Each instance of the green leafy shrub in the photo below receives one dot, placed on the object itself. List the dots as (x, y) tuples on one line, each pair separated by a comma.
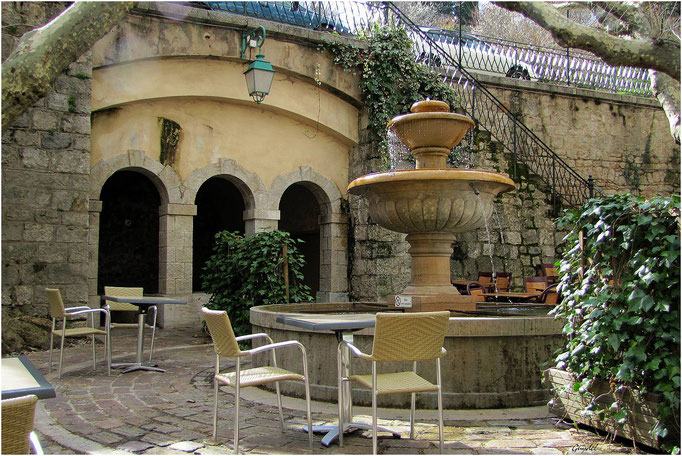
[(390, 78), (249, 271), (620, 282)]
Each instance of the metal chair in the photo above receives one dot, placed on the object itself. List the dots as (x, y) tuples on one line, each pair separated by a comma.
[(498, 281), (549, 271), (549, 295), (535, 284), (17, 426), (129, 292), (226, 344), (57, 311), (400, 337), (476, 289)]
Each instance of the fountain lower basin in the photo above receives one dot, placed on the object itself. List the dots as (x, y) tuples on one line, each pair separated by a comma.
[(492, 361)]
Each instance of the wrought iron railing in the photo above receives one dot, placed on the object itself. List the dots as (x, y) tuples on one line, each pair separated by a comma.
[(559, 66), (566, 184)]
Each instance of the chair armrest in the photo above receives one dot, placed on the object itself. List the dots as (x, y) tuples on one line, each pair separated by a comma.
[(286, 343), (89, 311), (73, 309), (356, 351), (253, 336)]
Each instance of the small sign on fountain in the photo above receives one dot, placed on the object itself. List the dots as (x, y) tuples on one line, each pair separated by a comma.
[(403, 301)]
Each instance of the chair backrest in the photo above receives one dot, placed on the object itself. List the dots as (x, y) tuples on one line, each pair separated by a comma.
[(54, 299), (502, 281), (476, 290), (219, 326), (410, 336), (548, 270), (534, 284), (123, 292), (485, 278), (17, 423)]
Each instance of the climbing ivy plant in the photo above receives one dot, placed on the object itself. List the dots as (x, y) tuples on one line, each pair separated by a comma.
[(249, 271), (390, 78), (620, 282)]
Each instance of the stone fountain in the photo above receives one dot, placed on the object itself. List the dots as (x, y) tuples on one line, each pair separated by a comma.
[(431, 203)]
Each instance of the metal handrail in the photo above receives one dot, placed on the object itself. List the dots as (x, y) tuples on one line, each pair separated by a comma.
[(480, 104)]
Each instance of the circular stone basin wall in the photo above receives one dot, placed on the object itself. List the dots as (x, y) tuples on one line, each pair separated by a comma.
[(492, 362)]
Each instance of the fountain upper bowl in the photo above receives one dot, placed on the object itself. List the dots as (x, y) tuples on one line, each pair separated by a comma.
[(430, 129), (431, 200)]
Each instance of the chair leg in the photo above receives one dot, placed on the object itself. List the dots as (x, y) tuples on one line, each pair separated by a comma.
[(61, 349), (440, 406), (307, 401), (49, 367), (413, 402), (94, 354), (236, 408), (339, 367), (151, 346), (374, 407), (215, 398), (279, 406)]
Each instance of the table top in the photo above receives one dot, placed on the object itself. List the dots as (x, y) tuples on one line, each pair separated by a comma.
[(20, 378), (145, 300), (330, 322), (513, 294)]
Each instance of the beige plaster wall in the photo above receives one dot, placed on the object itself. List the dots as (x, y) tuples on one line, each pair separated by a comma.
[(264, 142)]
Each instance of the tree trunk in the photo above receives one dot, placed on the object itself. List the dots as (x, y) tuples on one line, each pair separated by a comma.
[(44, 53)]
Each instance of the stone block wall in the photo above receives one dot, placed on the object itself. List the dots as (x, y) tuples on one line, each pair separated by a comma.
[(45, 176), (623, 141)]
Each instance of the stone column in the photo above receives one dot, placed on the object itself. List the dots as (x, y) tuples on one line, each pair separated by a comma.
[(94, 209), (256, 220), (333, 258), (175, 248)]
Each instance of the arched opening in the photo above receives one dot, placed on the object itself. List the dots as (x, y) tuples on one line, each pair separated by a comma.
[(300, 217), (220, 207), (129, 233)]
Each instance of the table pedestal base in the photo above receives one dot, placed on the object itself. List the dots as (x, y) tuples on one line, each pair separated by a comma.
[(333, 431), (131, 367)]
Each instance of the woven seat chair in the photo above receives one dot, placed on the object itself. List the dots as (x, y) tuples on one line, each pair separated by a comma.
[(226, 344), (129, 292), (57, 311), (400, 337), (17, 426)]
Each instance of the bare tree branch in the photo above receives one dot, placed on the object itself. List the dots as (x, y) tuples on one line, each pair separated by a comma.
[(661, 55), (44, 53), (667, 91), (628, 15)]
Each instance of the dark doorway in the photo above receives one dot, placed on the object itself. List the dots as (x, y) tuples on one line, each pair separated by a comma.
[(220, 207), (300, 217), (129, 233)]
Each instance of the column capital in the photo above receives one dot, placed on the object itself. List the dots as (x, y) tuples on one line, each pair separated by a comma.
[(178, 209)]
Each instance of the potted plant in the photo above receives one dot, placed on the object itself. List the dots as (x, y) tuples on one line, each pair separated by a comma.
[(620, 282)]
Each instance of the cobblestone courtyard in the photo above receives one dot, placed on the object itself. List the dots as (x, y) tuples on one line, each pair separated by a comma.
[(171, 412)]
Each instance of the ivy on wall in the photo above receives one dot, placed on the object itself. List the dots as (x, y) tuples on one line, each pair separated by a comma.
[(390, 78), (620, 282)]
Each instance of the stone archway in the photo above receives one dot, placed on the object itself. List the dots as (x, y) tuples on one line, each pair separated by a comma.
[(333, 227)]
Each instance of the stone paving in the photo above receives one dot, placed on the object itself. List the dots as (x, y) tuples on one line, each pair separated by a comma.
[(171, 413)]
